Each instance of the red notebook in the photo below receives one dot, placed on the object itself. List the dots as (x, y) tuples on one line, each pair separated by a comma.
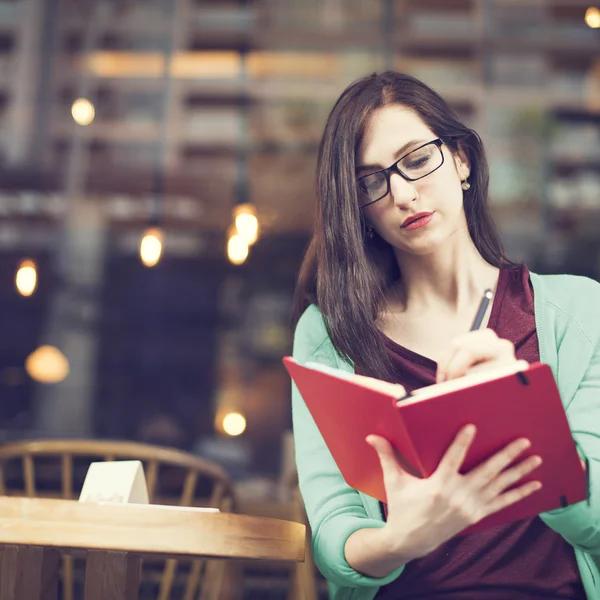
[(507, 403)]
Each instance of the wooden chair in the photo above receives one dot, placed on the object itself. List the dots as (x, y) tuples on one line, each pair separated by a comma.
[(57, 469), (305, 577), (307, 582)]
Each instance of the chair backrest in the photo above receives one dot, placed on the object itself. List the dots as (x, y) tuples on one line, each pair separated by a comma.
[(57, 468), (306, 579)]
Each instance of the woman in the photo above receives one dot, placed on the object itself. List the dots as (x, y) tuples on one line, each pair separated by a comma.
[(403, 248)]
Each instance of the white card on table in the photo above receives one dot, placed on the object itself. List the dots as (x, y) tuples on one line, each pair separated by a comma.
[(120, 481)]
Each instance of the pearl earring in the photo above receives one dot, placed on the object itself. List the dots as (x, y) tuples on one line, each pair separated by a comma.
[(465, 185)]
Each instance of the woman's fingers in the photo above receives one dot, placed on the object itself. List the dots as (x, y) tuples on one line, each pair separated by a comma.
[(442, 363), (472, 349), (512, 497), (392, 472), (509, 477), (455, 455), (493, 466), (460, 362)]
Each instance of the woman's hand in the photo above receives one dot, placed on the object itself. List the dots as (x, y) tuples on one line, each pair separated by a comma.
[(424, 513), (475, 350)]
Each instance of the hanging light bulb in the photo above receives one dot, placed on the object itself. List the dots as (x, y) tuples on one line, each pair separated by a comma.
[(83, 111), (592, 17), (47, 364), (26, 277), (234, 423), (246, 222), (237, 249), (151, 247)]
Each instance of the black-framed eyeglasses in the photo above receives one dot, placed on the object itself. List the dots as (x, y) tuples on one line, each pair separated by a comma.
[(415, 165)]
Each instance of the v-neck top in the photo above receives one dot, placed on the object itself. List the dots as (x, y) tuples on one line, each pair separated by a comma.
[(511, 316)]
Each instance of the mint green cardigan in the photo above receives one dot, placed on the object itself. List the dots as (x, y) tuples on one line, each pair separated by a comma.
[(567, 313)]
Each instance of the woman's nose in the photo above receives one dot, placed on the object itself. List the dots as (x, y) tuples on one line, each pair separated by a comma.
[(403, 192)]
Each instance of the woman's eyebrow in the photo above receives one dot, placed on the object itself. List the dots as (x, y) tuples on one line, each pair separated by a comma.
[(397, 155)]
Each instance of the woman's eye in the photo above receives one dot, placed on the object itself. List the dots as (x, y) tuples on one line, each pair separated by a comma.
[(373, 184), (415, 163)]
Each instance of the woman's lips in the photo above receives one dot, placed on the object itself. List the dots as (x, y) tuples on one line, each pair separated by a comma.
[(418, 221)]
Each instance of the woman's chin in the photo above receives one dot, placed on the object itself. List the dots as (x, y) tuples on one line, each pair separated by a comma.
[(427, 241), (418, 247)]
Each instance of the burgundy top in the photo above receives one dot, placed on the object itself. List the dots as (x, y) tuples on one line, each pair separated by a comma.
[(520, 561)]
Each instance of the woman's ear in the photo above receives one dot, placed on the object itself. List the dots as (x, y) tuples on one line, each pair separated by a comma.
[(463, 166)]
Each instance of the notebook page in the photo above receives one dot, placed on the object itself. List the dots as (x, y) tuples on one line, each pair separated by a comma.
[(395, 390), (466, 381)]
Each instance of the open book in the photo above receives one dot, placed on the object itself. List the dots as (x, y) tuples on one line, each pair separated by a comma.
[(505, 403)]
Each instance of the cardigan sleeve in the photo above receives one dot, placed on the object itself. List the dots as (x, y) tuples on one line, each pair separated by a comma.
[(579, 523), (334, 509)]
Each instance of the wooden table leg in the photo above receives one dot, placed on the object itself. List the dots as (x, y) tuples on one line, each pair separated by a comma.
[(28, 573), (111, 576)]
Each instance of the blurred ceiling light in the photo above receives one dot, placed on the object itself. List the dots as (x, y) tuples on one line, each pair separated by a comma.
[(214, 64), (125, 64), (246, 222), (47, 364), (237, 249), (151, 247), (83, 111), (234, 423), (592, 17), (296, 64), (185, 65), (26, 277)]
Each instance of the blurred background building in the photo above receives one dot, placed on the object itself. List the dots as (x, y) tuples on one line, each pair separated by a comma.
[(135, 134)]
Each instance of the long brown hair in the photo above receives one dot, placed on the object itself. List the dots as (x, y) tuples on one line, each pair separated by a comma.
[(345, 273)]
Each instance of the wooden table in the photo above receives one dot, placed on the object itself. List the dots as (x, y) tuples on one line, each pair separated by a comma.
[(116, 537)]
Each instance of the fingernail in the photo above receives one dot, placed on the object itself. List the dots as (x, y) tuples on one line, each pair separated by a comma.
[(537, 460), (525, 444), (470, 429)]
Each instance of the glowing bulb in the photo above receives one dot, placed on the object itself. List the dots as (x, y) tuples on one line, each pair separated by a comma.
[(246, 222), (237, 249), (47, 364), (26, 278), (151, 247), (592, 17), (234, 424), (83, 111)]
